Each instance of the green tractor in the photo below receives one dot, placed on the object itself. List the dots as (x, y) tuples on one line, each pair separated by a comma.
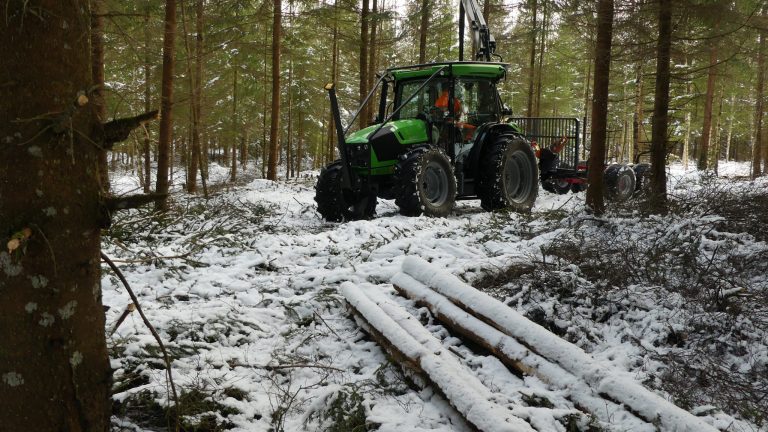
[(442, 137)]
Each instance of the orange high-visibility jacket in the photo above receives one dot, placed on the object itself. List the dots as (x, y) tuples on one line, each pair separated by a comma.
[(442, 102)]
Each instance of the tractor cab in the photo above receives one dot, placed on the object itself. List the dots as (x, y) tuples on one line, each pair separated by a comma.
[(455, 102)]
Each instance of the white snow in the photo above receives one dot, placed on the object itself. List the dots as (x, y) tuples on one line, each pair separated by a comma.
[(244, 290)]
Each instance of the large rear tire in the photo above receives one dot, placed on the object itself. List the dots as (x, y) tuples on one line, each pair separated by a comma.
[(425, 183), (509, 175), (332, 204), (619, 182)]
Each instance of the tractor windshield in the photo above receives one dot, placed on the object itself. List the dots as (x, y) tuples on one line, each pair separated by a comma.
[(424, 101)]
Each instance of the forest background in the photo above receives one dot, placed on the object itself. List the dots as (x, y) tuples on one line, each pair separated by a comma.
[(225, 52)]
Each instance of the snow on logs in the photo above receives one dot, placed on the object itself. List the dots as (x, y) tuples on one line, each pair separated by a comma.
[(532, 349), (425, 354)]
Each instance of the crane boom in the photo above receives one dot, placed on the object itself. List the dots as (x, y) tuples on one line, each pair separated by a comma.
[(483, 43)]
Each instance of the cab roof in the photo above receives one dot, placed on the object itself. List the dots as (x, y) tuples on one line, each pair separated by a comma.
[(455, 69)]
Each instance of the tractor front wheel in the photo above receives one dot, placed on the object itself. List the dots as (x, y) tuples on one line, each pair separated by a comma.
[(509, 175), (426, 183), (333, 205)]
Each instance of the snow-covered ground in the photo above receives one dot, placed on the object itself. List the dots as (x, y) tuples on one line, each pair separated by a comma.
[(244, 290)]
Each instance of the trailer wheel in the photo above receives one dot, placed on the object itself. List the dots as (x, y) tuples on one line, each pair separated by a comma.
[(425, 183), (508, 176), (619, 182), (332, 204), (642, 178), (557, 186)]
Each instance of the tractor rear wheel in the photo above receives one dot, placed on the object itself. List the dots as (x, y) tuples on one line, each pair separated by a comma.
[(619, 182), (509, 175), (333, 205), (425, 182)]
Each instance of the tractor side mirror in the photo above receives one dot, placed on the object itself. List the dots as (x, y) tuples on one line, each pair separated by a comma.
[(506, 111)]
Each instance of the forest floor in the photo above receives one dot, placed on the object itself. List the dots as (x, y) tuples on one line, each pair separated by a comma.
[(243, 288)]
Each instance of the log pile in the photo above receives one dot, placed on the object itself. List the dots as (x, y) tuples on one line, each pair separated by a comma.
[(523, 346)]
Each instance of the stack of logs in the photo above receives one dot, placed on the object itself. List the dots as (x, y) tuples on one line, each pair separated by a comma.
[(524, 347)]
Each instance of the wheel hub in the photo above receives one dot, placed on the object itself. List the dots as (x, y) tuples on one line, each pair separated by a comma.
[(435, 184)]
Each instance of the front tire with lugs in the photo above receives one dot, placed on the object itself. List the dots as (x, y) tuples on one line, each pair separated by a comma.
[(426, 183), (332, 204)]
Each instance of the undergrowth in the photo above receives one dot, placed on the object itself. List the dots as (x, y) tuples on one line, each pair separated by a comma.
[(691, 285)]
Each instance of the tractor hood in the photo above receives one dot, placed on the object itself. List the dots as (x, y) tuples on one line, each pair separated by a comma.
[(403, 132)]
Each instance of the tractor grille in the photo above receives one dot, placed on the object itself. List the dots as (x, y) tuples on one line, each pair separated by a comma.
[(548, 130)]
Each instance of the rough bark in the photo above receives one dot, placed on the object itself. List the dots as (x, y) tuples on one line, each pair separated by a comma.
[(54, 368), (661, 110), (274, 129), (166, 104), (708, 100), (602, 68), (423, 29)]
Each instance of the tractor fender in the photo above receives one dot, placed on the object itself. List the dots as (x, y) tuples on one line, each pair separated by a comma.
[(486, 133)]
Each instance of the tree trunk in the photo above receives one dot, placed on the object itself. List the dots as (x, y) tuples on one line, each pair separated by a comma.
[(637, 118), (759, 98), (235, 126), (709, 98), (194, 93), (545, 18), (730, 132), (532, 61), (147, 103), (264, 111), (274, 130), (715, 153), (363, 57), (600, 106), (423, 29), (300, 142), (289, 141), (97, 74), (587, 95), (166, 104), (372, 52), (661, 110), (334, 78), (54, 368)]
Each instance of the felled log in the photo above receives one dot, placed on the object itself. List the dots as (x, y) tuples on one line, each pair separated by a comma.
[(462, 389), (516, 356), (641, 401)]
